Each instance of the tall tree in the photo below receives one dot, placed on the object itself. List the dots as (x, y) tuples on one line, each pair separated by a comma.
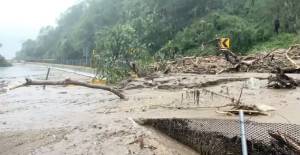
[(162, 28)]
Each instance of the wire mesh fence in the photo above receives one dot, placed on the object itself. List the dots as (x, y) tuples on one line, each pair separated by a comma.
[(87, 62), (215, 136), (75, 62)]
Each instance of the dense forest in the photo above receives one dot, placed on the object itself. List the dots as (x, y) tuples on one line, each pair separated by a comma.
[(118, 32)]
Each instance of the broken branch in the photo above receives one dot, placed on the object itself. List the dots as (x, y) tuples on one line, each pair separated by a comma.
[(290, 59), (30, 82)]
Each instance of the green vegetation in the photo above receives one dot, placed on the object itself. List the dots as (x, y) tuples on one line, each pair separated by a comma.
[(3, 62), (124, 31), (283, 40)]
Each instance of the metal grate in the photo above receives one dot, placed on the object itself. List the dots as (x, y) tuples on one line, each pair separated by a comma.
[(214, 136)]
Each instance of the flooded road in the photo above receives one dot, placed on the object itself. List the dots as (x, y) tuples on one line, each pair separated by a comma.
[(33, 107), (74, 120), (17, 73), (21, 71), (79, 120)]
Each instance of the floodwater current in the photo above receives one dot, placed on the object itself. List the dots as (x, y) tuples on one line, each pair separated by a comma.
[(17, 74), (21, 71)]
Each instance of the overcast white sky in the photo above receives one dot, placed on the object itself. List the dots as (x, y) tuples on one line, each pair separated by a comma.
[(22, 19)]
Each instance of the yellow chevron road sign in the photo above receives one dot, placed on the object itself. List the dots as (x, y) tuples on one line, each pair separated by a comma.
[(224, 43)]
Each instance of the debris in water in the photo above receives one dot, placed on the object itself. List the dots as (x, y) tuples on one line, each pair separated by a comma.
[(282, 81)]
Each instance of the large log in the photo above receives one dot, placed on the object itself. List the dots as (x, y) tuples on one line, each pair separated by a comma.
[(30, 82)]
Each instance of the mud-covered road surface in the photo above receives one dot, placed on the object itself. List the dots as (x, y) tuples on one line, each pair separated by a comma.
[(77, 120)]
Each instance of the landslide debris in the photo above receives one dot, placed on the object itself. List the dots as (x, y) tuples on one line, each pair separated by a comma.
[(261, 63)]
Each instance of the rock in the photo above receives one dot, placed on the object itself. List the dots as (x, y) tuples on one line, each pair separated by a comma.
[(140, 121), (64, 92), (143, 109), (264, 108), (96, 127), (253, 83)]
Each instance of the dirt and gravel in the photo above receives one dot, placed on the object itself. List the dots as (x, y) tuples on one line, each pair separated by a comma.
[(77, 120)]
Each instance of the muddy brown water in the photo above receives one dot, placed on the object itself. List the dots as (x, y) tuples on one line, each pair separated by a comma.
[(74, 120), (77, 120)]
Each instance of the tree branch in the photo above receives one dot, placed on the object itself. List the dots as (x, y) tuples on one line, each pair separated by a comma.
[(30, 82)]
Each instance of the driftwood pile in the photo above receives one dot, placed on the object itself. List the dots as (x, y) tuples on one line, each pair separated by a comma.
[(196, 65), (261, 63)]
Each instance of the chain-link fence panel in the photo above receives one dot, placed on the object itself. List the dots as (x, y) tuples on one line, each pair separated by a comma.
[(222, 137)]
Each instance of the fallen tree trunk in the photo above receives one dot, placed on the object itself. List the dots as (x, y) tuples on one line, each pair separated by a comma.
[(289, 71), (30, 82)]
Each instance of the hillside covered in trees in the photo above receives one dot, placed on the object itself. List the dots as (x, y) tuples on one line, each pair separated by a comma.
[(117, 32)]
